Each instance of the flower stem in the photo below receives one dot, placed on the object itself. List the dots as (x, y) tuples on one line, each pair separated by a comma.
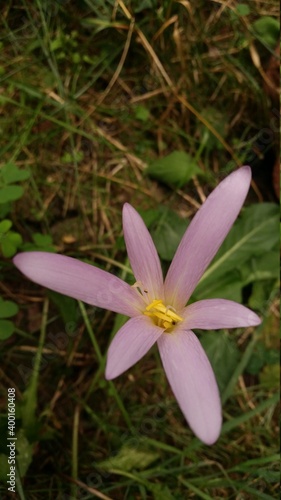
[(101, 361), (30, 395)]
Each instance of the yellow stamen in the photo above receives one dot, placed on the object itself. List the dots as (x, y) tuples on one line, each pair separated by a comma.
[(162, 315), (155, 304)]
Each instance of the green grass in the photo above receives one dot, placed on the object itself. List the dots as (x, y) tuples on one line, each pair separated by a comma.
[(91, 93)]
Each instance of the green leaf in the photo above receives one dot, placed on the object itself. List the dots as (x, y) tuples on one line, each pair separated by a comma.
[(42, 240), (260, 357), (267, 29), (270, 376), (75, 156), (254, 233), (11, 173), (176, 169), (260, 293), (55, 44), (8, 308), (5, 209), (243, 9), (24, 452), (167, 232), (142, 113), (67, 306), (228, 286), (8, 248), (10, 243), (150, 216), (129, 458), (10, 193), (223, 355), (14, 238), (5, 225), (6, 329), (263, 267)]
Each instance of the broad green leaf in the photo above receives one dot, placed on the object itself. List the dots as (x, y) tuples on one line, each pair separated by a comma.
[(263, 267), (14, 238), (223, 355), (8, 249), (261, 356), (167, 232), (176, 169), (253, 234), (228, 286), (42, 240), (5, 225), (5, 209), (256, 361), (129, 458), (260, 293), (67, 306), (6, 329), (11, 173), (10, 193), (10, 243), (150, 216), (268, 30), (7, 308)]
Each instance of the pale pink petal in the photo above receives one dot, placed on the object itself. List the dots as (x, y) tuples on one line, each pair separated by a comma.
[(79, 280), (130, 344), (218, 313), (142, 253), (193, 383), (204, 236)]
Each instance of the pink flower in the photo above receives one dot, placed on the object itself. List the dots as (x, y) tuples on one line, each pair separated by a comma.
[(157, 308)]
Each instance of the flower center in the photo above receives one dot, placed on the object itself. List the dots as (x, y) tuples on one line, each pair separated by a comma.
[(163, 316)]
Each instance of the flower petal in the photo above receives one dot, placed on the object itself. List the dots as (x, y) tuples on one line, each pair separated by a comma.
[(218, 313), (204, 236), (193, 382), (79, 280), (130, 344), (142, 253)]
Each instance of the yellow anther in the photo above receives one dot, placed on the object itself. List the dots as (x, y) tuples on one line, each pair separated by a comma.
[(173, 315), (154, 304), (163, 316), (166, 324)]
